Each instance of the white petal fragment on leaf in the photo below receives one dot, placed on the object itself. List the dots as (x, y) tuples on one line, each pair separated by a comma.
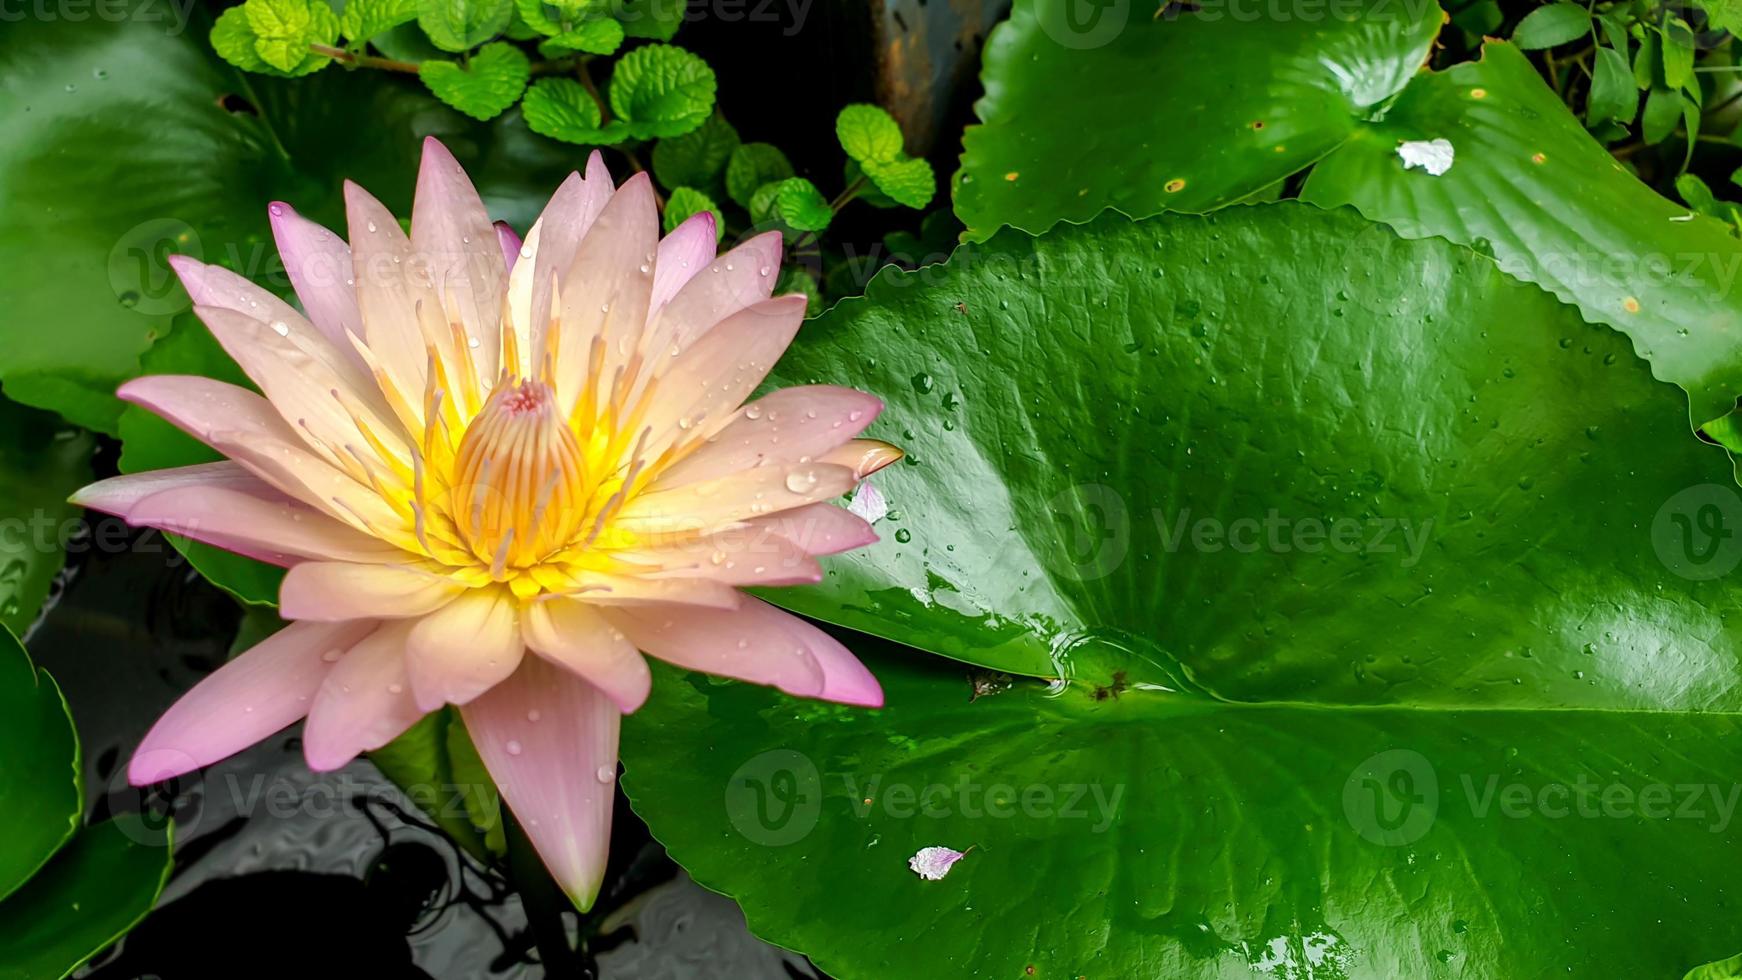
[(1433, 156), (932, 863), (868, 503)]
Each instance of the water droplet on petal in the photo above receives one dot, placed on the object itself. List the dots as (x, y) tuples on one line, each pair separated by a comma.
[(606, 773), (513, 747)]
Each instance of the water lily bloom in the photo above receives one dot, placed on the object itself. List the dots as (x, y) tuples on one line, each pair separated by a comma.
[(498, 474)]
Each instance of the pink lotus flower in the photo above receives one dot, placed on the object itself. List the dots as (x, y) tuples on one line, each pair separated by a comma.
[(497, 475)]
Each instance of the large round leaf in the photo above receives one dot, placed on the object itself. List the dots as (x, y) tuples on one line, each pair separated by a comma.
[(1531, 187), (41, 791), (1325, 530), (1186, 110), (42, 461), (92, 893), (128, 141)]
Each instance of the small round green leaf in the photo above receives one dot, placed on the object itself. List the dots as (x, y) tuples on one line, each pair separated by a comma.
[(485, 86), (753, 166), (794, 203), (460, 25), (661, 90), (686, 202), (868, 133), (563, 109), (364, 19), (908, 182), (695, 159), (284, 29)]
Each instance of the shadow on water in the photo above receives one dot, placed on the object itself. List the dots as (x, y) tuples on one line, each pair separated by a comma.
[(280, 871)]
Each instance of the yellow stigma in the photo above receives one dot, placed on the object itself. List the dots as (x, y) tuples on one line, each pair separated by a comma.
[(519, 489)]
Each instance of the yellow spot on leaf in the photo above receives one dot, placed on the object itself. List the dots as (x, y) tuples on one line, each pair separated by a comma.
[(1478, 93), (1012, 175), (1630, 304), (1537, 158), (1175, 185)]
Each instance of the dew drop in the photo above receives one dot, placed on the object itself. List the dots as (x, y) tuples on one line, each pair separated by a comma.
[(513, 747), (801, 481), (606, 773), (281, 328), (753, 412)]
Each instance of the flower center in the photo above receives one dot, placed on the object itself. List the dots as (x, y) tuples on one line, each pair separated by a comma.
[(519, 478)]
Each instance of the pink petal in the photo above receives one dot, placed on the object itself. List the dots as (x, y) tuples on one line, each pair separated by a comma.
[(604, 588), (863, 456), (570, 634), (244, 701), (756, 643), (549, 740), (242, 425), (363, 703), (214, 287), (334, 591), (264, 524), (551, 243), (605, 291), (683, 253), (845, 679), (464, 648), (752, 643), (301, 387), (736, 556), (820, 528), (319, 265), (510, 243), (451, 232), (118, 494), (713, 505), (742, 277), (392, 283), (787, 426), (705, 384)]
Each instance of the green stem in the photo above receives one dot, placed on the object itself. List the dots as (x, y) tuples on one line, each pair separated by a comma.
[(363, 60), (543, 901)]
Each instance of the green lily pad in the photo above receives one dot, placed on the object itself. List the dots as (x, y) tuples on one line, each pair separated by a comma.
[(1623, 255), (1185, 111), (42, 461), (94, 891), (41, 790), (1349, 555)]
